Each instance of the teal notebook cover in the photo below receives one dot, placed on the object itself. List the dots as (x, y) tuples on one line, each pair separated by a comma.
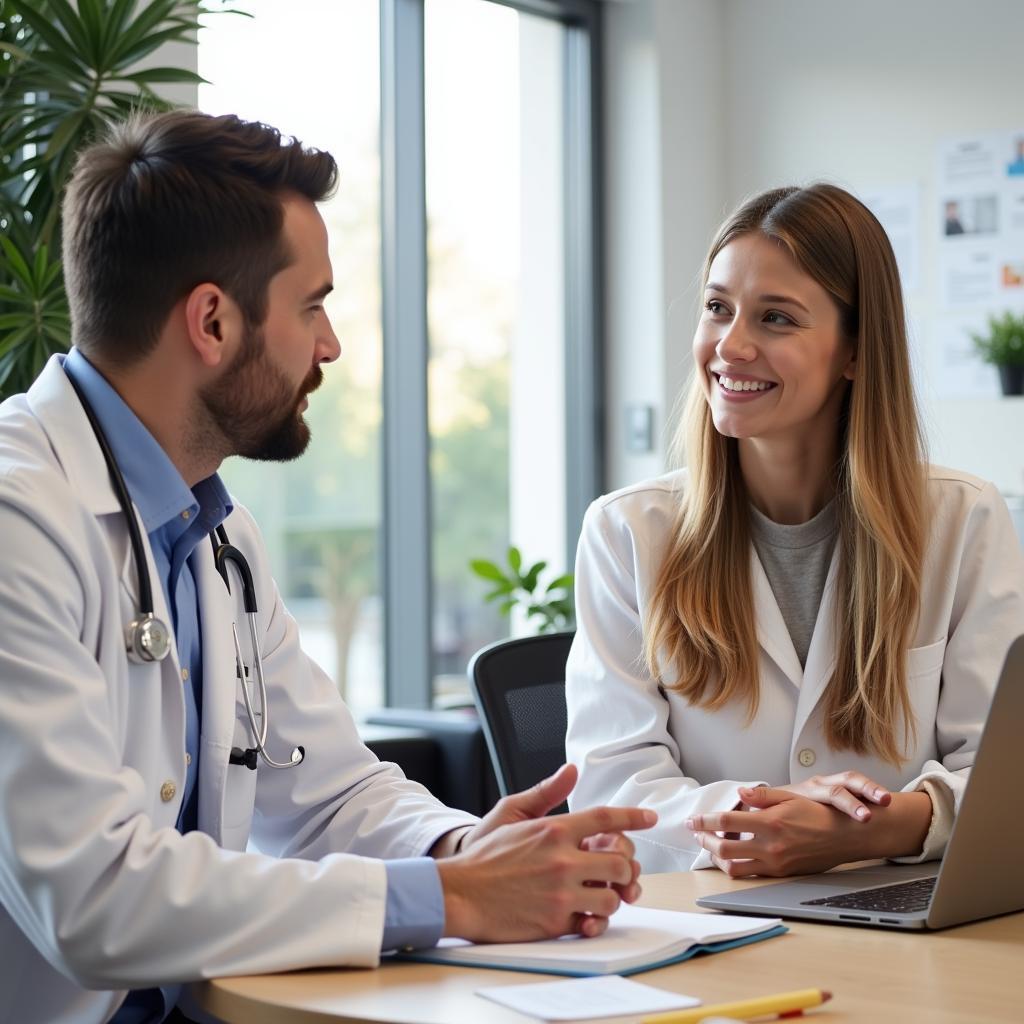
[(430, 956)]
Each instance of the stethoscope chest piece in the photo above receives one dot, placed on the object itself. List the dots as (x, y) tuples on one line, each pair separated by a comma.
[(147, 639)]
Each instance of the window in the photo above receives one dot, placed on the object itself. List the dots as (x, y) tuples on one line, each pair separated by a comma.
[(464, 245), (495, 286)]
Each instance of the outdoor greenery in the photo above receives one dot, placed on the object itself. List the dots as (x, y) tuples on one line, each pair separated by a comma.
[(1003, 343), (66, 69), (551, 605)]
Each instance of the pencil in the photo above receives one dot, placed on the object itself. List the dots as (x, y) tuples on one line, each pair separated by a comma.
[(784, 1004)]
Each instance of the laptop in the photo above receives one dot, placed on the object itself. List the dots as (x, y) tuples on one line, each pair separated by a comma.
[(981, 874)]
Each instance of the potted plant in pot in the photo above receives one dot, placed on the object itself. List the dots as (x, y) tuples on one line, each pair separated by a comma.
[(1002, 345)]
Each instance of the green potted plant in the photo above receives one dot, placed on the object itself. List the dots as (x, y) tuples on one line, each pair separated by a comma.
[(1002, 345), (549, 606), (66, 68)]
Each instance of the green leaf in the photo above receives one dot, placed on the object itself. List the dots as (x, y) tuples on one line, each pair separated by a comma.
[(16, 261), (506, 606), (58, 43), (561, 583), (487, 570), (76, 24), (503, 588), (65, 132), (160, 75), (114, 21), (529, 581), (8, 321), (139, 33), (515, 559)]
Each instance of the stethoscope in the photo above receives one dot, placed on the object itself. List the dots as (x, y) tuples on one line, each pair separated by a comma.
[(148, 639)]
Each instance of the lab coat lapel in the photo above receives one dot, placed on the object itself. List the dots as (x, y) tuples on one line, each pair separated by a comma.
[(55, 405), (821, 655), (216, 610), (772, 632)]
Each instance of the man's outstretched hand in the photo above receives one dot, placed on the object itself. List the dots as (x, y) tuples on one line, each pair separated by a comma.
[(521, 875)]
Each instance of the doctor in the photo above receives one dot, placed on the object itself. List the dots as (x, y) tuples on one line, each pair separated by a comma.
[(788, 649), (146, 839)]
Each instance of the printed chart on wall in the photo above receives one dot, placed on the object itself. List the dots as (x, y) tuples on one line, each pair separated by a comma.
[(980, 221)]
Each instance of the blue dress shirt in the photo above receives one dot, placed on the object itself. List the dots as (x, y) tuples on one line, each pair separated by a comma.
[(177, 519)]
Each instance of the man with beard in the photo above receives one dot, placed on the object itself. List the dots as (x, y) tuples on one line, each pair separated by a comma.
[(147, 841)]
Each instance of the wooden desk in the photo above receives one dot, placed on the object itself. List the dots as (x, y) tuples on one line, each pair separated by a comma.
[(966, 975)]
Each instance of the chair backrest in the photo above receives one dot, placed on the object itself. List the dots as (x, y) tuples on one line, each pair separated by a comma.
[(519, 689)]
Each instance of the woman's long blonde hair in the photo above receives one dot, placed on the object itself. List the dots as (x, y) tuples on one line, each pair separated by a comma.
[(701, 622)]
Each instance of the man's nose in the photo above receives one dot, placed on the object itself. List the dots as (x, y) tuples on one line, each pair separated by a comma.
[(328, 347)]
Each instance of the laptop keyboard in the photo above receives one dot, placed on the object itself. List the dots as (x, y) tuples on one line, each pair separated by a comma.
[(902, 898)]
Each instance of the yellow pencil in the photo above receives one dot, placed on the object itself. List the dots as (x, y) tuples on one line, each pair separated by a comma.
[(785, 1004)]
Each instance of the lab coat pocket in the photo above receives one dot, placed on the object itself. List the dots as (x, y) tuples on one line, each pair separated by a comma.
[(240, 786), (927, 660), (924, 684)]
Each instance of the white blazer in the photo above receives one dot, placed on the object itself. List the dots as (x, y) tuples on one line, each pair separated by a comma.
[(98, 892), (637, 743)]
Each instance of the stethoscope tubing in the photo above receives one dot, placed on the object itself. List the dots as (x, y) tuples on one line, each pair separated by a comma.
[(147, 639)]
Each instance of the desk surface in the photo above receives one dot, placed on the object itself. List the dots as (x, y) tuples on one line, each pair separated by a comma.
[(968, 974)]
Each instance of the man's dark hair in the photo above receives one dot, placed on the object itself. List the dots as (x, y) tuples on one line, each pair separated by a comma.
[(164, 202)]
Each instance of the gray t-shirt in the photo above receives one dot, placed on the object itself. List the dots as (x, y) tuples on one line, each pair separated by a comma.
[(796, 561)]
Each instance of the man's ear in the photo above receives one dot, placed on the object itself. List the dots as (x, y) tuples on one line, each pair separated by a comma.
[(213, 322)]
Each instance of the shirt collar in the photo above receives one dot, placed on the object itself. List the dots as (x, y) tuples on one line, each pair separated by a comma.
[(154, 483)]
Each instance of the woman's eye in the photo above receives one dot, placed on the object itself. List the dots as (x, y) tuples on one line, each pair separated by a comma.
[(775, 317), (714, 306)]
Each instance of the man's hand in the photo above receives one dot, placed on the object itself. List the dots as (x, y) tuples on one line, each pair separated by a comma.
[(523, 876), (795, 835)]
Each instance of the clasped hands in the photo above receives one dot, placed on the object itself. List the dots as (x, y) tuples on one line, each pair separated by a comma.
[(520, 875), (811, 826)]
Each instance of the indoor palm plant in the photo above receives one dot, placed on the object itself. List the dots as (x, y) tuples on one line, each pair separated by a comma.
[(1002, 344), (66, 68)]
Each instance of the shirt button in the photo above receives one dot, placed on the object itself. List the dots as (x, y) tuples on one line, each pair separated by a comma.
[(807, 757), (167, 791), (184, 674), (186, 514), (188, 758)]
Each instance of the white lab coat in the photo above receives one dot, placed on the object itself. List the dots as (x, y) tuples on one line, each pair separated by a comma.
[(636, 743), (98, 892)]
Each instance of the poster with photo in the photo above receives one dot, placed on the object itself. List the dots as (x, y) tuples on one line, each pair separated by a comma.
[(979, 220)]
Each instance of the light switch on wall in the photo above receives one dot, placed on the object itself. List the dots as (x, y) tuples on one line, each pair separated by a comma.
[(639, 428)]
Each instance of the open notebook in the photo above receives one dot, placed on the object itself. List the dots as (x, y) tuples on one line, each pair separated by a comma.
[(637, 939)]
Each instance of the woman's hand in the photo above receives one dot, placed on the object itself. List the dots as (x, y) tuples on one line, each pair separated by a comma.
[(795, 835), (790, 835), (840, 791)]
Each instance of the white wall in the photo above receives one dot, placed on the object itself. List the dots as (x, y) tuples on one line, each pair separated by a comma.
[(751, 94)]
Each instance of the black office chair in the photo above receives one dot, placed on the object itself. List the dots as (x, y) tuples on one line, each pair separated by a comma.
[(519, 689)]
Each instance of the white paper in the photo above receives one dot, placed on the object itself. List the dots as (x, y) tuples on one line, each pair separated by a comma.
[(610, 996), (898, 209)]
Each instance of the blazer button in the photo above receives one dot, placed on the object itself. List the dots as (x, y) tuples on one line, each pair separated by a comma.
[(167, 791), (807, 757)]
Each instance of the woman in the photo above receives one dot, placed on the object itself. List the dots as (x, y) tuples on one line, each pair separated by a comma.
[(788, 649)]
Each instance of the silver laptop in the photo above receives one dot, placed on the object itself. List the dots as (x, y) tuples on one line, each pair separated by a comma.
[(980, 874)]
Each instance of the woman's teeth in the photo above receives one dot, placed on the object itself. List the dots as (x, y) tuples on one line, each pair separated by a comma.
[(744, 385)]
